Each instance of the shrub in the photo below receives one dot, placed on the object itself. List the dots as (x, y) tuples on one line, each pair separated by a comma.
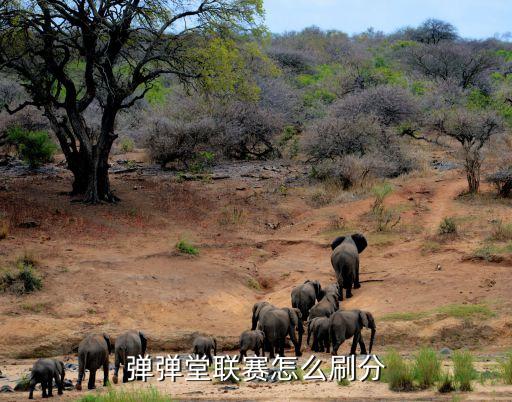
[(127, 144), (502, 181), (506, 369), (427, 367), (501, 231), (34, 147), (445, 384), (22, 279), (186, 248), (385, 217), (447, 226), (135, 395), (463, 370), (397, 373)]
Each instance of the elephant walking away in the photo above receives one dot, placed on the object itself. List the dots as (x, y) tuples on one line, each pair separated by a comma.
[(329, 303), (93, 353), (44, 372), (349, 323), (319, 328), (277, 323), (251, 340), (345, 261), (305, 296), (129, 344), (203, 346), (258, 310)]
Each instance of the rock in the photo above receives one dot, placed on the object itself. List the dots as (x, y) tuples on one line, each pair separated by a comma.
[(28, 224), (6, 389), (445, 351), (439, 267), (229, 388)]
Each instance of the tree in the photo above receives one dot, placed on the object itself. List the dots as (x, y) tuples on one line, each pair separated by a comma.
[(472, 129), (433, 31), (74, 56)]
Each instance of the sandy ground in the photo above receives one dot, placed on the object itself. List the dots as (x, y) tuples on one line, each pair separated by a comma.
[(114, 267)]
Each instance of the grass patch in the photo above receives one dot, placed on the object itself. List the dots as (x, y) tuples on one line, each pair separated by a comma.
[(427, 368), (112, 395), (34, 308), (232, 216), (185, 247), (445, 383), (126, 144), (343, 383), (506, 369), (253, 284), (397, 373), (501, 231), (467, 310), (490, 251), (21, 279), (463, 370), (406, 316), (447, 226), (430, 246)]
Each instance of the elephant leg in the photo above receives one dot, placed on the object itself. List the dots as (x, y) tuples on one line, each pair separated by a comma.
[(105, 373), (357, 284), (281, 347), (362, 346), (355, 341), (348, 289), (58, 381), (31, 388), (92, 379), (266, 346), (117, 364), (50, 387), (326, 344), (44, 386), (126, 374), (81, 372)]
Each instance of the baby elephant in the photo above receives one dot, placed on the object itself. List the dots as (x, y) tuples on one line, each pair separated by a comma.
[(319, 328), (128, 344), (251, 340), (45, 371), (203, 346)]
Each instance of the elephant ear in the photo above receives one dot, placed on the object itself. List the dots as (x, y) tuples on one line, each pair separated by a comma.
[(337, 241), (360, 242), (143, 342), (109, 345), (364, 319)]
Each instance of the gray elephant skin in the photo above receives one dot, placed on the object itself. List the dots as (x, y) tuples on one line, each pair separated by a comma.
[(318, 328), (93, 354), (349, 323), (345, 260), (44, 372), (251, 340), (203, 346), (128, 344), (258, 310), (277, 323), (329, 303), (305, 296)]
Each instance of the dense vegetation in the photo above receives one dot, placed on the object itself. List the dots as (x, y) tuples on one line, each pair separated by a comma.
[(355, 106)]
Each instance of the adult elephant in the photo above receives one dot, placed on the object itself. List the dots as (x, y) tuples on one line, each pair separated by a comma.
[(345, 261), (277, 323), (345, 324), (93, 353), (304, 296), (204, 346), (129, 344), (318, 328), (258, 310), (329, 303)]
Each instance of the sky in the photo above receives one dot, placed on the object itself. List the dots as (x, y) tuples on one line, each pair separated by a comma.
[(474, 19)]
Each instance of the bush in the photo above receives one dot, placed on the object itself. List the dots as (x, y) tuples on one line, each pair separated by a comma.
[(34, 147), (502, 231), (447, 226), (147, 395), (502, 181), (427, 368), (445, 384), (186, 248), (127, 144), (463, 370), (22, 279), (383, 215), (397, 373), (506, 369)]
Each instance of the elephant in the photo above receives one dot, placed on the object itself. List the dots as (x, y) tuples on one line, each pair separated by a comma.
[(258, 310), (45, 371), (305, 296), (276, 323), (128, 344), (329, 303), (319, 328), (345, 261), (203, 346), (251, 340), (349, 323), (93, 353)]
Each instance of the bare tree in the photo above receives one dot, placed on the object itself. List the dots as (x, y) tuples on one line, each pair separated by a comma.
[(73, 54), (472, 130), (433, 31)]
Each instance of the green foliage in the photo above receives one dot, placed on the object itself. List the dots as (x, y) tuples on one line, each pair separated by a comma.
[(447, 226), (157, 95), (202, 162), (253, 284), (21, 279), (397, 373), (463, 370), (506, 369), (319, 95), (127, 144), (385, 217), (501, 231), (34, 147), (466, 310), (427, 367), (185, 247), (134, 395), (445, 384)]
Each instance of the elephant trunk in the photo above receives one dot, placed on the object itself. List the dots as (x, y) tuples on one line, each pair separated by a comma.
[(371, 340)]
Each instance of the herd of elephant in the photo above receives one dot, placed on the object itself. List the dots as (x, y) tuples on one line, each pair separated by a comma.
[(318, 307)]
